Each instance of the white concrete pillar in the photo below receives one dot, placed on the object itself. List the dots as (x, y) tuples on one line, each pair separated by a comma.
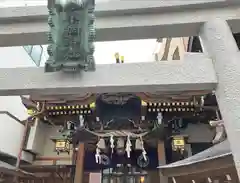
[(219, 43)]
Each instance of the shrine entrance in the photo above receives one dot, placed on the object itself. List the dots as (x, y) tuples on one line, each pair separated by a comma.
[(124, 174)]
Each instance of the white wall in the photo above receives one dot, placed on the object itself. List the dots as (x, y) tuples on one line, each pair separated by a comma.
[(37, 137), (11, 132)]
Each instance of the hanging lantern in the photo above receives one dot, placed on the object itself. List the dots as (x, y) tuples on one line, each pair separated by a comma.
[(178, 143), (120, 146), (142, 179), (62, 145)]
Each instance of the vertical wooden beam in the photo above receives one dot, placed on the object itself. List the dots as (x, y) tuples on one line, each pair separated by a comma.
[(79, 170), (188, 149), (161, 160), (161, 153), (65, 177)]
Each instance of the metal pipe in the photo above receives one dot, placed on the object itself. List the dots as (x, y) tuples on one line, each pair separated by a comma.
[(22, 144), (11, 116), (15, 178)]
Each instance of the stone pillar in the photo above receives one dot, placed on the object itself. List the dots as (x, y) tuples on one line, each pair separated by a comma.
[(220, 45)]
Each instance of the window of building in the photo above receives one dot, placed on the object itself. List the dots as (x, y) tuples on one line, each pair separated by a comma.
[(28, 49), (35, 52), (176, 54)]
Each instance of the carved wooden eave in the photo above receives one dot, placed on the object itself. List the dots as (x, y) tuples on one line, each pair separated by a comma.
[(216, 159), (30, 102)]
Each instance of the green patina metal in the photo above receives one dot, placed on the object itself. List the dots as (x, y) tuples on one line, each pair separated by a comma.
[(72, 35)]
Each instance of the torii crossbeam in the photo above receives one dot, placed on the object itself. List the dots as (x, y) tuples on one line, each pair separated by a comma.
[(123, 20), (195, 72)]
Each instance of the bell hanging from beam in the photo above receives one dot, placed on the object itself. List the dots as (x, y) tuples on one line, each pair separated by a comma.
[(139, 144), (120, 146), (101, 144)]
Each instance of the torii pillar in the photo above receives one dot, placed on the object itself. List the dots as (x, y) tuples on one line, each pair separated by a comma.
[(220, 45)]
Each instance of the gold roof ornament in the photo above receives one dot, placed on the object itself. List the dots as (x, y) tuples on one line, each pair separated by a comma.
[(119, 58)]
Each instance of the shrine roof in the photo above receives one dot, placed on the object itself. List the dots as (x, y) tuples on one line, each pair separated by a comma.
[(12, 170), (217, 151)]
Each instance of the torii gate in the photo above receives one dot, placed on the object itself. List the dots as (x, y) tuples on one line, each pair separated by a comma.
[(218, 68)]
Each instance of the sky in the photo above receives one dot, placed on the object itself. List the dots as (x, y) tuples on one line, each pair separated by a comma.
[(133, 51)]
